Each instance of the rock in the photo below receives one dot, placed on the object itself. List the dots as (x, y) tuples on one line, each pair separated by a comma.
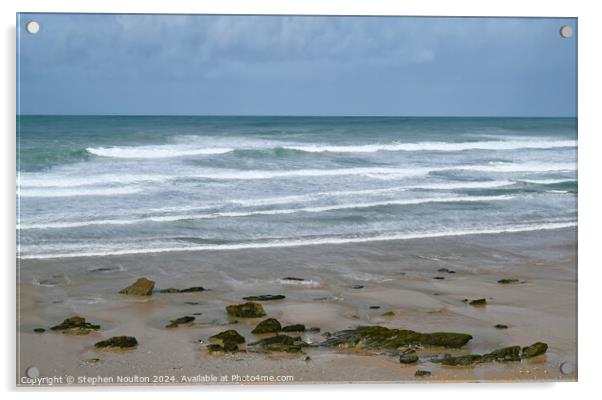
[(511, 353), (388, 314), (122, 342), (246, 310), (314, 329), (192, 303), (379, 337), (39, 330), (283, 343), (179, 321), (193, 289), (292, 278), (142, 287), (508, 281), (501, 326), (228, 341), (197, 313), (92, 360), (408, 358), (76, 326), (357, 286), (478, 302), (187, 290), (449, 271), (307, 359), (265, 297), (466, 360), (294, 328), (422, 372), (270, 325), (374, 307), (439, 277), (534, 350)]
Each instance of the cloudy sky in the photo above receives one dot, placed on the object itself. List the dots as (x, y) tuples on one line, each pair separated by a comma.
[(280, 65)]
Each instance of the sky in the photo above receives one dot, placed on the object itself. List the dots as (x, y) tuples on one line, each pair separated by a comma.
[(295, 65)]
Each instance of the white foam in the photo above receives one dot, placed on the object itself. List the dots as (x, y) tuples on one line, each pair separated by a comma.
[(311, 242), (545, 181), (161, 151), (183, 217), (438, 146)]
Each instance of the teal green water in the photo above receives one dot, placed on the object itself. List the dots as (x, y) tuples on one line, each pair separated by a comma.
[(114, 185)]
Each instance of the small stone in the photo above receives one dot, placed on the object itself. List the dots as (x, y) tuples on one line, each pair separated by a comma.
[(265, 297), (448, 271), (374, 307), (179, 321), (307, 359), (357, 286), (75, 326), (314, 329), (508, 281), (501, 326), (193, 289), (92, 360), (122, 342), (169, 290), (39, 330), (408, 358), (388, 314), (270, 325), (192, 303), (294, 328), (246, 310), (422, 372), (292, 278), (142, 287), (478, 302), (439, 277)]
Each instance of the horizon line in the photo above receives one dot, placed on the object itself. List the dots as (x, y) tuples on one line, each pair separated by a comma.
[(294, 115)]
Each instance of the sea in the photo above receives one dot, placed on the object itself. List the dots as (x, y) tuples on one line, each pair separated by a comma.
[(110, 185)]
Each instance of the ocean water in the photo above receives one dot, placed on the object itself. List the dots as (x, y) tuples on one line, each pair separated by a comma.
[(117, 185)]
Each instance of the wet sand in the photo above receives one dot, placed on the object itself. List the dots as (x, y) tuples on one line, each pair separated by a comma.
[(396, 276)]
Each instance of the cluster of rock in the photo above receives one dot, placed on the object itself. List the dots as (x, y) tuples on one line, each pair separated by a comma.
[(75, 326), (511, 353)]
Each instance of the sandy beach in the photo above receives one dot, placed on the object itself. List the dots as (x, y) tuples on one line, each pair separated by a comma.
[(397, 275)]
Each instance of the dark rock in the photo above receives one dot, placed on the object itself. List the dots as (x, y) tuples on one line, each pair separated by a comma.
[(307, 359), (439, 277), (314, 329), (478, 302), (265, 297), (294, 328), (39, 330), (292, 278), (179, 321), (501, 326), (142, 287), (197, 313), (193, 289), (408, 358), (388, 314), (283, 343), (246, 310), (76, 326), (534, 350), (508, 281), (228, 341), (379, 337), (469, 359), (270, 325), (122, 342), (357, 286), (169, 290), (449, 271), (192, 303), (422, 372), (374, 307)]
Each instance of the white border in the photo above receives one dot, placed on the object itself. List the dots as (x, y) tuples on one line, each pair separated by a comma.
[(590, 33)]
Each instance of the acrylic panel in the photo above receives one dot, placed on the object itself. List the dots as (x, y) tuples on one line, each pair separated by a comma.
[(224, 199)]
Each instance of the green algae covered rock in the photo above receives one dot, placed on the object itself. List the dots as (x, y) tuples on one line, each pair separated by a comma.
[(270, 325), (179, 321), (142, 287), (227, 341), (478, 302), (121, 342), (408, 358), (500, 326), (388, 314), (421, 373), (75, 326), (246, 310), (39, 330), (534, 350), (511, 353), (380, 337), (281, 343)]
